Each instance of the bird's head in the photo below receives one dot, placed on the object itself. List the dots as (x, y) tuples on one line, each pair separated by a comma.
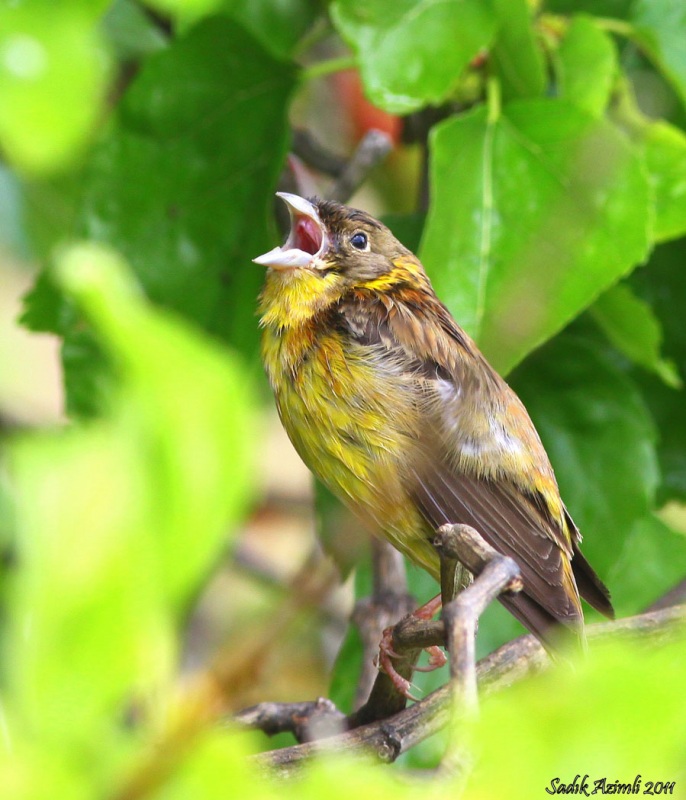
[(331, 249), (328, 237)]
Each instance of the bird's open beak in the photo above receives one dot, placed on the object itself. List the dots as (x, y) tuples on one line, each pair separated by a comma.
[(306, 241)]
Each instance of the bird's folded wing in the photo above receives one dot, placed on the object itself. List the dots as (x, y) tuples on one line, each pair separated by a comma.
[(512, 525)]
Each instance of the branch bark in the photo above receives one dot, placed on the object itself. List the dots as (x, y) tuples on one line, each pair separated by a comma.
[(385, 740)]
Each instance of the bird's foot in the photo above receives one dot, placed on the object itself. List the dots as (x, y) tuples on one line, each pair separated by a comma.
[(428, 610), (385, 663), (437, 657)]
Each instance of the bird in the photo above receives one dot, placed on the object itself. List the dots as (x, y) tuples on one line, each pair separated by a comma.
[(392, 405)]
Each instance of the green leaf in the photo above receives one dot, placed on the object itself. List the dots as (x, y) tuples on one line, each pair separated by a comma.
[(619, 9), (407, 228), (52, 81), (119, 520), (411, 52), (183, 180), (664, 147), (535, 211), (196, 452), (632, 327), (346, 671), (600, 438), (516, 57), (566, 718), (651, 562), (586, 66), (278, 24), (667, 407), (663, 285), (131, 32), (203, 774), (661, 27), (190, 10)]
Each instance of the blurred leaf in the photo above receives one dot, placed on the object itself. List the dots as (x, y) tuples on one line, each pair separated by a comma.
[(412, 52), (632, 327), (667, 407), (50, 212), (407, 228), (663, 147), (619, 689), (45, 309), (185, 9), (130, 31), (346, 670), (52, 80), (600, 438), (535, 211), (339, 531), (182, 181), (517, 59), (585, 51), (278, 24), (663, 285), (200, 457), (87, 374), (619, 9), (661, 25), (219, 758), (90, 632), (652, 561), (120, 519), (496, 627)]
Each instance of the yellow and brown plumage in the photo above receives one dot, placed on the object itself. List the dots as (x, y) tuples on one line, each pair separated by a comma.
[(393, 407)]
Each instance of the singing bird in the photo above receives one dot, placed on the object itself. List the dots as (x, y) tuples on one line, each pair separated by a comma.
[(394, 408)]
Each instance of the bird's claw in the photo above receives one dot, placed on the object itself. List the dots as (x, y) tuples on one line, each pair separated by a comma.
[(385, 662), (437, 659)]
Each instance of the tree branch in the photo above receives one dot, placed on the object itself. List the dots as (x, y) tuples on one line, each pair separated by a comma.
[(372, 150), (386, 739)]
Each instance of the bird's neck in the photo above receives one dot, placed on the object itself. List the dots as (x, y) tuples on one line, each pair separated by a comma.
[(292, 299)]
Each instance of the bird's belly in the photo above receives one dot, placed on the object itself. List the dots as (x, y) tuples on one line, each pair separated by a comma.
[(355, 424)]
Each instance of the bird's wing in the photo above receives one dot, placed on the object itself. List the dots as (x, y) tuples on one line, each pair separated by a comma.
[(482, 461)]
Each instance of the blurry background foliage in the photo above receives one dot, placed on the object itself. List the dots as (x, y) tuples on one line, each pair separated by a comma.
[(141, 144)]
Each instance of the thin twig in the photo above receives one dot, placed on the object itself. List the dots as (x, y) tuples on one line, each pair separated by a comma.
[(307, 721), (315, 155), (372, 150)]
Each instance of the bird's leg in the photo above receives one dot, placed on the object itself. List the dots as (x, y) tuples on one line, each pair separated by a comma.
[(454, 578), (437, 657)]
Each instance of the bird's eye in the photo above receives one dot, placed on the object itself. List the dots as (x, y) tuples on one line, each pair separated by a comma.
[(359, 241)]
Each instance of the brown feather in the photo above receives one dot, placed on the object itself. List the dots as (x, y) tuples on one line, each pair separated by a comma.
[(515, 522)]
